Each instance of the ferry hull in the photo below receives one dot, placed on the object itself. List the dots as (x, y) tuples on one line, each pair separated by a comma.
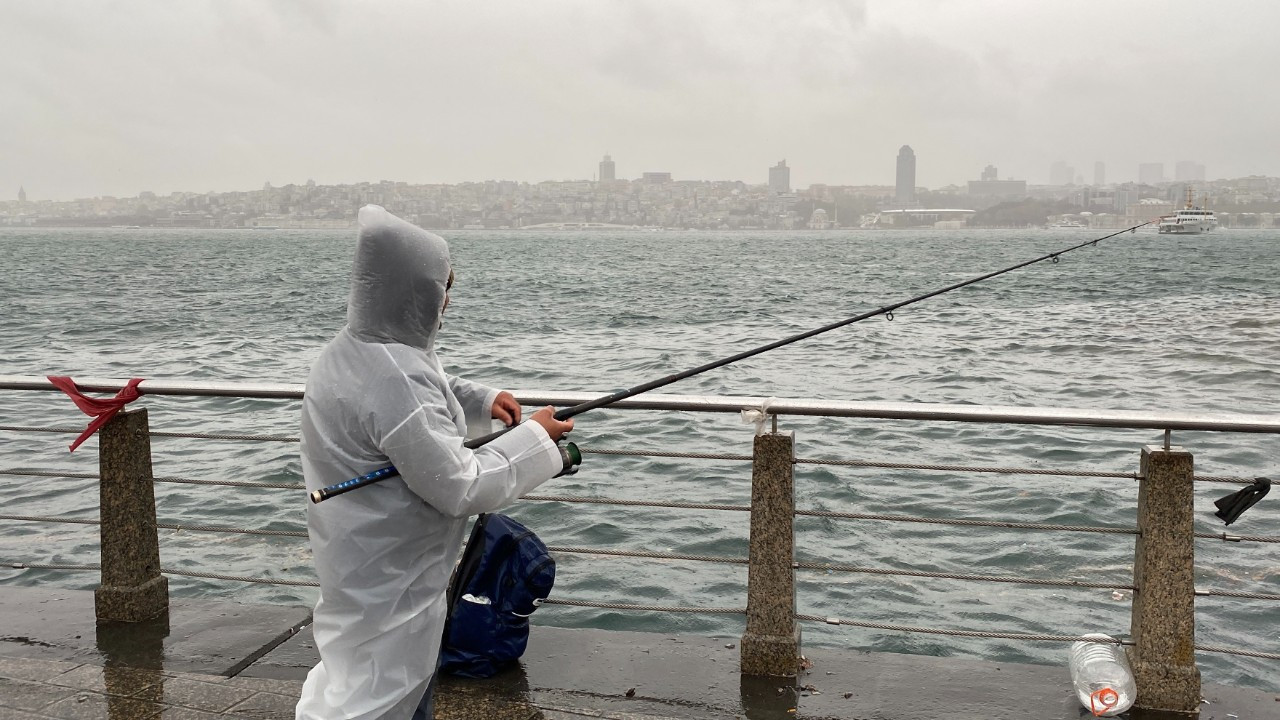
[(1185, 228)]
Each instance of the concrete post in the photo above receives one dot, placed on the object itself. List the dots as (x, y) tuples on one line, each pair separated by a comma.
[(771, 644), (132, 587), (1163, 622)]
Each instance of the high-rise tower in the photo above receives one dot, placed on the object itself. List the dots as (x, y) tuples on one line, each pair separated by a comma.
[(1188, 171), (1060, 173), (606, 169), (22, 194), (906, 184), (780, 177)]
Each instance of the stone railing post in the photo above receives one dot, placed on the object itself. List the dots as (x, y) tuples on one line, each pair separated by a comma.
[(771, 644), (132, 587), (1163, 623)]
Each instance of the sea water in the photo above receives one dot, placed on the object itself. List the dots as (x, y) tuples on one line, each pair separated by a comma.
[(1140, 322)]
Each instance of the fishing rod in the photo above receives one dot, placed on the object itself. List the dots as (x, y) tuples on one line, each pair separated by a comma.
[(573, 456)]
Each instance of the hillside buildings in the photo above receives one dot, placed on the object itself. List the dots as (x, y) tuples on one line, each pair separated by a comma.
[(656, 199)]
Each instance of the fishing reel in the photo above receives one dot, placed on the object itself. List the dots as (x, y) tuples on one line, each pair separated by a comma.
[(571, 456)]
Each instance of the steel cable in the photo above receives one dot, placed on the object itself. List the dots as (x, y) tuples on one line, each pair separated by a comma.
[(960, 576), (233, 483), (650, 554), (1237, 594), (224, 436), (160, 433), (1227, 537), (165, 571), (665, 454), (51, 474), (634, 503), (971, 523), (971, 468), (648, 608), (43, 518), (162, 525), (941, 631)]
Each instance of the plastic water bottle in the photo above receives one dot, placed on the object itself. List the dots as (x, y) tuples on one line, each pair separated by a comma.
[(1101, 675)]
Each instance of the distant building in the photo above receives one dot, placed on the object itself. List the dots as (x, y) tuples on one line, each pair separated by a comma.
[(780, 177), (818, 220), (1099, 173), (905, 193), (22, 194), (1147, 209), (992, 186), (656, 178), (607, 173), (950, 218), (1188, 171), (1124, 197), (1060, 173), (1151, 173), (998, 188)]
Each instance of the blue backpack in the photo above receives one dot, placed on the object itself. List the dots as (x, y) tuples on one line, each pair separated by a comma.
[(504, 575)]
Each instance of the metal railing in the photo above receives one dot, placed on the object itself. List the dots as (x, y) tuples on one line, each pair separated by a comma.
[(1162, 617)]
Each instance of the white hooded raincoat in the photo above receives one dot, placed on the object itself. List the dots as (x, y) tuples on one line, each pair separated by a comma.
[(378, 396)]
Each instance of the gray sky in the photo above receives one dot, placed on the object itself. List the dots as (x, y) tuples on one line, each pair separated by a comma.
[(114, 97)]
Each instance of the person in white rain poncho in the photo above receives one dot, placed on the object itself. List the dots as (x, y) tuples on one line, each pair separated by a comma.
[(378, 396)]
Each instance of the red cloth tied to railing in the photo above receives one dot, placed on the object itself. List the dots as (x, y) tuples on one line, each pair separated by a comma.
[(102, 408)]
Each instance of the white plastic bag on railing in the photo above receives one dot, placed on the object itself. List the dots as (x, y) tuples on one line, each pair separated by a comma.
[(757, 416)]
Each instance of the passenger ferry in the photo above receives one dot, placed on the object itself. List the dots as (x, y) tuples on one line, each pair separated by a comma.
[(1190, 220)]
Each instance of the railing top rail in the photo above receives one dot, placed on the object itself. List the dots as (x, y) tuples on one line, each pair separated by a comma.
[(1086, 417)]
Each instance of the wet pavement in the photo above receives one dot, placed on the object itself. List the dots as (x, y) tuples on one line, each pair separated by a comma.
[(212, 660)]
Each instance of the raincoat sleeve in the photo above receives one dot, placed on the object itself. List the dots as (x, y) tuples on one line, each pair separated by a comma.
[(476, 400), (427, 450)]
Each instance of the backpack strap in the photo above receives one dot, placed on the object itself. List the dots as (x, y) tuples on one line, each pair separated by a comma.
[(467, 566)]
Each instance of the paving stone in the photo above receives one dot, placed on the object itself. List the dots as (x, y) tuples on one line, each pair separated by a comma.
[(209, 677), (279, 687), (210, 697), (10, 714), (91, 706), (267, 706), (28, 695), (179, 713), (32, 669), (566, 673), (110, 681)]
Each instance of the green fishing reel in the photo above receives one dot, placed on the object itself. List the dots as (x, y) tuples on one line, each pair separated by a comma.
[(572, 458)]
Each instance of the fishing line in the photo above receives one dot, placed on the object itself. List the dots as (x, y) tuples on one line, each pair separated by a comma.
[(566, 413)]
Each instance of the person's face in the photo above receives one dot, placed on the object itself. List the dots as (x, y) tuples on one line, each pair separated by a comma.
[(447, 285)]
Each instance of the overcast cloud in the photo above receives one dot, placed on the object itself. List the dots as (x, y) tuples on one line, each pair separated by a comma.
[(113, 98)]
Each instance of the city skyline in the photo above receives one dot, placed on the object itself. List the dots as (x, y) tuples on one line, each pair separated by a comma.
[(779, 179), (116, 99)]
